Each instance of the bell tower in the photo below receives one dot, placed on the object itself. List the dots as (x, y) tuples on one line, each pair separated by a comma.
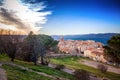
[(61, 38)]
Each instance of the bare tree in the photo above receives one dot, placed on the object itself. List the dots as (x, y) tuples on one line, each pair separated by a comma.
[(9, 44)]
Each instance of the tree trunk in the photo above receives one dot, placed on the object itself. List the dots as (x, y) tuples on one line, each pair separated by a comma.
[(12, 59), (35, 63), (42, 61)]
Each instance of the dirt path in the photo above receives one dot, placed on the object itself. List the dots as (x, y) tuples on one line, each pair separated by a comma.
[(2, 73), (71, 71), (94, 64), (40, 73)]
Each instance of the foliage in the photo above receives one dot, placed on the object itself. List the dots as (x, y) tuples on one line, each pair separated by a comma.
[(33, 48), (81, 74), (49, 43), (54, 48), (54, 43), (112, 50), (28, 49), (47, 40), (102, 68), (59, 67), (9, 44)]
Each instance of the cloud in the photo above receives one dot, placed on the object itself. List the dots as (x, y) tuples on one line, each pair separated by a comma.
[(9, 18), (25, 17)]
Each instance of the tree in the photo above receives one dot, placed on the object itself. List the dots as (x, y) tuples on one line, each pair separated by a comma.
[(46, 44), (13, 47), (28, 47), (9, 45), (54, 46), (39, 49), (33, 48), (2, 50), (102, 68), (112, 50), (47, 40), (81, 74)]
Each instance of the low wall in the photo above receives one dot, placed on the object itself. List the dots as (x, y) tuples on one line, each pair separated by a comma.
[(63, 55)]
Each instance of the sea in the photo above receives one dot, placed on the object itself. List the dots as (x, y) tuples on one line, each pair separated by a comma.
[(102, 40), (100, 37)]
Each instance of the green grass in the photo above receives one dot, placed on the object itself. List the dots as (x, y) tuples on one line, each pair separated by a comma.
[(4, 58), (73, 63), (70, 62), (39, 68), (15, 73), (45, 69)]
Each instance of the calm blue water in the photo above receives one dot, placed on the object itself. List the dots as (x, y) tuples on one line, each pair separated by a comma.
[(102, 40)]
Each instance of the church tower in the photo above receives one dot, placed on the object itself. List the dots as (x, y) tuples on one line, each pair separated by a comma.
[(61, 38)]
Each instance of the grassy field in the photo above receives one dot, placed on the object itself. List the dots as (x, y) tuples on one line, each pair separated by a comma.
[(15, 73), (73, 63), (4, 58), (70, 62), (45, 69), (30, 65)]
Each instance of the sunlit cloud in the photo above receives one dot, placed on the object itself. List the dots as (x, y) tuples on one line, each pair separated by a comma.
[(21, 16)]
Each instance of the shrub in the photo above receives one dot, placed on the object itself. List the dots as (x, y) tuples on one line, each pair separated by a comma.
[(102, 68), (81, 75), (59, 67)]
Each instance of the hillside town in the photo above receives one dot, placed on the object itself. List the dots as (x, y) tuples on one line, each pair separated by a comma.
[(88, 48)]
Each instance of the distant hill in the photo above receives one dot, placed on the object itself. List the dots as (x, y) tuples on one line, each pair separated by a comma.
[(100, 37)]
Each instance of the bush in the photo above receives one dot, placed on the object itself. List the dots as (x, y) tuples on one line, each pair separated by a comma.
[(59, 67), (81, 75), (102, 68), (105, 78)]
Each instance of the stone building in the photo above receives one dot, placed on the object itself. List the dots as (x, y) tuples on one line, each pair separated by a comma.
[(89, 48)]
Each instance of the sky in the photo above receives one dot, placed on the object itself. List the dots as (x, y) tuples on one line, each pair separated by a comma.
[(61, 17), (19, 15)]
